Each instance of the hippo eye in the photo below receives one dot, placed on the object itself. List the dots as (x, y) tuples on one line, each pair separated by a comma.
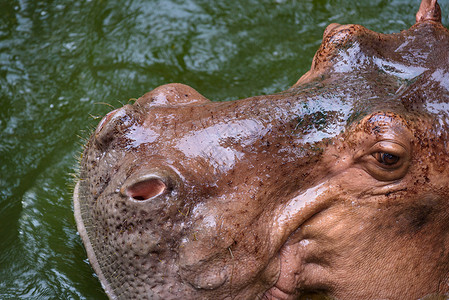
[(386, 159), (145, 189)]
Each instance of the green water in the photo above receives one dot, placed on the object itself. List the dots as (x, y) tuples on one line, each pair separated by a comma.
[(60, 60)]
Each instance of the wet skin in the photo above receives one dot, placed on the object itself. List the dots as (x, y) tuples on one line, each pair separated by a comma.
[(338, 185)]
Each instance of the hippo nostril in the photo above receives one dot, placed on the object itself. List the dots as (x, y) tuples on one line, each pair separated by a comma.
[(151, 183), (146, 189), (116, 120)]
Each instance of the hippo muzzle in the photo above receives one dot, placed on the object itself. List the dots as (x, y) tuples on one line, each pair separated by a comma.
[(338, 186)]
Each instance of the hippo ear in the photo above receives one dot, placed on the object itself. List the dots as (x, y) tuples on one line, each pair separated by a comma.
[(335, 38), (173, 94), (429, 10)]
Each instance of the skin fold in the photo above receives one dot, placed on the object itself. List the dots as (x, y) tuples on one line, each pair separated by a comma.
[(337, 187)]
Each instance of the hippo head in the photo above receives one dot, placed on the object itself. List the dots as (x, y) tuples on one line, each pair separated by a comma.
[(337, 186)]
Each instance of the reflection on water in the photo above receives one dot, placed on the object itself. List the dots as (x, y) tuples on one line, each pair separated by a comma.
[(59, 60)]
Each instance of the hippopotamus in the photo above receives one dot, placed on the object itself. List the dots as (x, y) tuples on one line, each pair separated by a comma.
[(337, 186)]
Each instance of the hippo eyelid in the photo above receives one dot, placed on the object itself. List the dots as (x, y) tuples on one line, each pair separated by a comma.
[(144, 188)]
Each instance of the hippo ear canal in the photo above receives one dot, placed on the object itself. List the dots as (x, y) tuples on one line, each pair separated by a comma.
[(145, 188)]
